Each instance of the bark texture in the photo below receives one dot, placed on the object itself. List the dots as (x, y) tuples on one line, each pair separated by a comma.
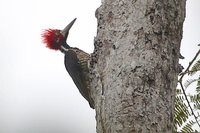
[(134, 66)]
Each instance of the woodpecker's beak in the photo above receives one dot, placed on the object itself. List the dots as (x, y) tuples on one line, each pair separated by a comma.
[(65, 31)]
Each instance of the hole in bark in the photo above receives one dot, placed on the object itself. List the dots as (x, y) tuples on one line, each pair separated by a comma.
[(102, 84), (174, 52), (150, 80), (163, 57), (152, 19), (114, 47)]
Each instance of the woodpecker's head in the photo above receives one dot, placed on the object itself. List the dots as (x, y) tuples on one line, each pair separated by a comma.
[(56, 39)]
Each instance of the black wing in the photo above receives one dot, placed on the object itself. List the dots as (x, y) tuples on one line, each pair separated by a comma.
[(76, 65)]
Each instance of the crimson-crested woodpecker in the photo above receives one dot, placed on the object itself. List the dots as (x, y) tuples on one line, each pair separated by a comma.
[(76, 60)]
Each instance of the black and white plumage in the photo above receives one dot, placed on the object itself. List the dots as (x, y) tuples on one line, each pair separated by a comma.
[(76, 61)]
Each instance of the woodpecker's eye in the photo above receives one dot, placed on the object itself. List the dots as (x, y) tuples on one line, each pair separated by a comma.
[(59, 38), (57, 33)]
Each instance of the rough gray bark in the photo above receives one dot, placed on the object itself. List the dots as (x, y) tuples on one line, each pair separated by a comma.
[(134, 66)]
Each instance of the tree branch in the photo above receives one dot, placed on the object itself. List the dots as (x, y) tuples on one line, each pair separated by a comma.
[(181, 84)]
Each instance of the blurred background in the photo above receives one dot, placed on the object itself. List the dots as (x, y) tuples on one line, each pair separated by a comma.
[(36, 93)]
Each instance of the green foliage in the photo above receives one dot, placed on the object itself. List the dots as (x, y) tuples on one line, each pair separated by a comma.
[(196, 100), (198, 86), (181, 111), (187, 128), (182, 114), (189, 82), (195, 68), (178, 92), (187, 106)]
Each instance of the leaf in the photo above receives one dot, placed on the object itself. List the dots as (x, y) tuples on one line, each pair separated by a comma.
[(189, 82), (181, 111), (197, 106), (195, 68), (198, 89), (198, 85), (195, 98), (179, 92), (188, 127)]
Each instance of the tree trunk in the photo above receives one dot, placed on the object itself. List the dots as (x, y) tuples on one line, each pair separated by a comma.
[(134, 66)]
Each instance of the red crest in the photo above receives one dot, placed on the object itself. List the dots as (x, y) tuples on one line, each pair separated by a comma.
[(52, 37)]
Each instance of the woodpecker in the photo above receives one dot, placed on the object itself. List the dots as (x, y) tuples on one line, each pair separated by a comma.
[(75, 60)]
